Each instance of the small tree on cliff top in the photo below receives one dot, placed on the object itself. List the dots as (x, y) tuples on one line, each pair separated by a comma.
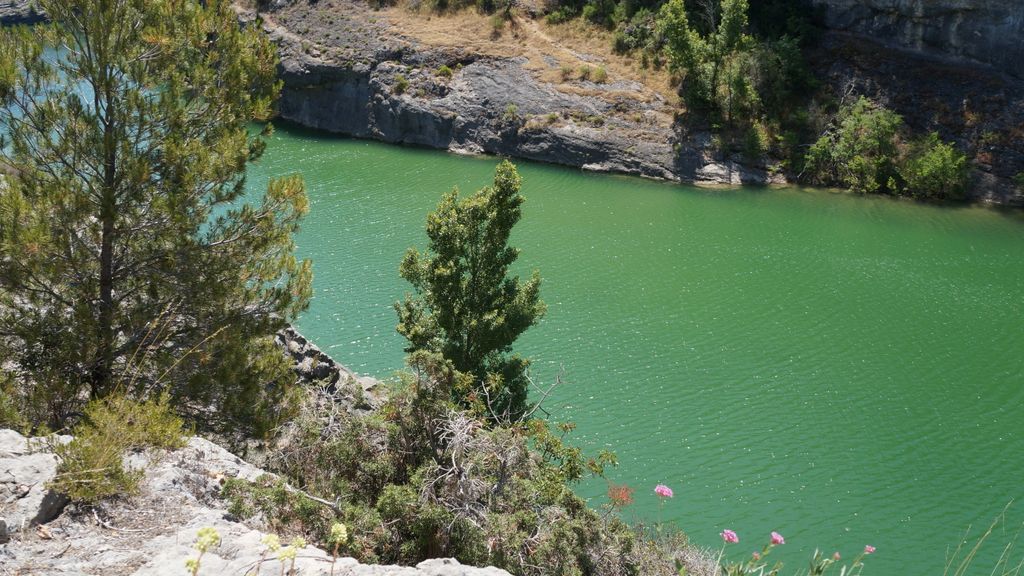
[(128, 255), (465, 305)]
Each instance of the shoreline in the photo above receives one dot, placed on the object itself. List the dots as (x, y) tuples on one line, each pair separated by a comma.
[(363, 76)]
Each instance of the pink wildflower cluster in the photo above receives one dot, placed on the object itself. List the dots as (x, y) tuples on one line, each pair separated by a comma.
[(729, 536), (663, 491)]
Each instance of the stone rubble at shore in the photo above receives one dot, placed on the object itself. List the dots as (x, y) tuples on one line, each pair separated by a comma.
[(313, 367)]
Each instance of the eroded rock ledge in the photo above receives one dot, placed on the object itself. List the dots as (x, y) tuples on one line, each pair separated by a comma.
[(151, 534), (313, 367)]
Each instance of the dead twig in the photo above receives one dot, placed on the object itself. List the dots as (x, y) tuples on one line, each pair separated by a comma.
[(110, 527)]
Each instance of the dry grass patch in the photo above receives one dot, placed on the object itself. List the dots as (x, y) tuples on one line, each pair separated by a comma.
[(551, 50)]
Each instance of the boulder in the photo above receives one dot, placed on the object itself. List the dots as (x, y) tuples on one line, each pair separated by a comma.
[(26, 466)]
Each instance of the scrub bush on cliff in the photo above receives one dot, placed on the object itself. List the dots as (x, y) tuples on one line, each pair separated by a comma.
[(91, 465), (125, 237), (421, 478), (935, 169), (742, 83), (859, 151), (866, 151)]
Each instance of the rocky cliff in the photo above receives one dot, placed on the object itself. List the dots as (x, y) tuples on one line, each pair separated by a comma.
[(18, 12), (351, 69), (984, 31), (347, 69), (151, 533)]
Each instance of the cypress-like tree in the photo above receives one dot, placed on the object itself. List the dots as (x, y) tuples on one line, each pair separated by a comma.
[(130, 258), (465, 304)]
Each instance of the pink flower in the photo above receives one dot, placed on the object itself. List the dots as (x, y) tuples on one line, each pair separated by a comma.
[(777, 539), (869, 549), (756, 555), (836, 556), (730, 536), (663, 491)]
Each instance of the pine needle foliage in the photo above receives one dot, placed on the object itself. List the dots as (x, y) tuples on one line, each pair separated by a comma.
[(466, 305), (129, 252)]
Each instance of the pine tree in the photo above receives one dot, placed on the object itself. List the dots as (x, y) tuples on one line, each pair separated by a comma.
[(130, 257), (465, 305)]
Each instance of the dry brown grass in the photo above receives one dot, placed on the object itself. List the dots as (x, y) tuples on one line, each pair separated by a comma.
[(548, 48)]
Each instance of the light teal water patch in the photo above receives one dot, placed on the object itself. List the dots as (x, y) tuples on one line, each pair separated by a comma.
[(844, 370)]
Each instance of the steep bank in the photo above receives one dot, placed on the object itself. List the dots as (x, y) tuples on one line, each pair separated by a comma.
[(152, 533), (348, 69), (359, 71)]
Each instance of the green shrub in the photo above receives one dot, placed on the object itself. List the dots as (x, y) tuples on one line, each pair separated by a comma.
[(444, 71), (620, 43), (497, 24), (1018, 179), (756, 142), (400, 85), (511, 114), (422, 477), (567, 72), (91, 465), (562, 14), (859, 151), (637, 33), (729, 74), (286, 511), (585, 72), (600, 75), (11, 413), (863, 149), (935, 169)]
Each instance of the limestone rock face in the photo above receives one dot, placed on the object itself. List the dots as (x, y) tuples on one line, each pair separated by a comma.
[(25, 468), (152, 533), (18, 12), (986, 31)]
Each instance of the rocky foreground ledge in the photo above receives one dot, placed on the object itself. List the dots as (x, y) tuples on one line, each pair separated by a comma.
[(151, 533)]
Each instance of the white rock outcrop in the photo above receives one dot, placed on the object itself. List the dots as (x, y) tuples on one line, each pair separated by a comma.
[(152, 533)]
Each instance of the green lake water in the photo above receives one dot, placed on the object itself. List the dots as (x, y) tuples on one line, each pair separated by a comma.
[(844, 370)]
